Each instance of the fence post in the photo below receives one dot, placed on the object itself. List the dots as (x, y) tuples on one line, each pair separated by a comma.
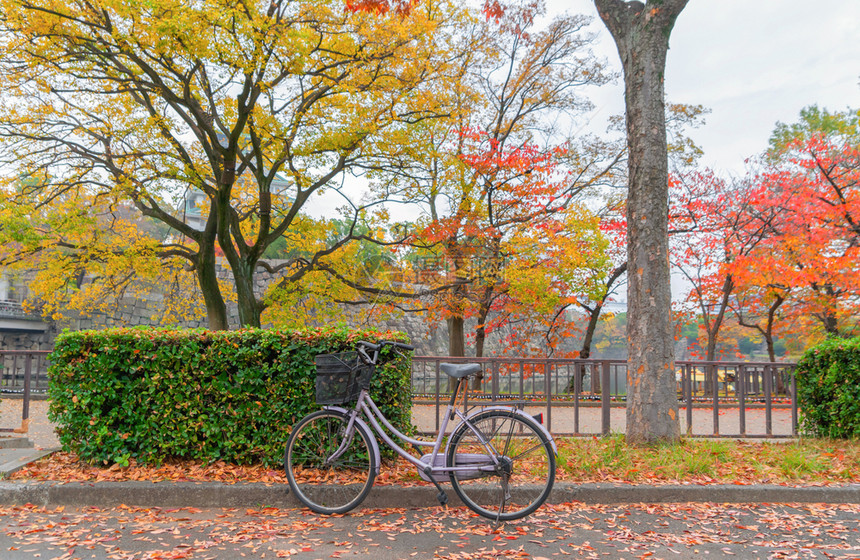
[(547, 369), (494, 382), (768, 412), (688, 395), (522, 382), (25, 413), (740, 390), (605, 408), (716, 400), (577, 389), (438, 387), (793, 389)]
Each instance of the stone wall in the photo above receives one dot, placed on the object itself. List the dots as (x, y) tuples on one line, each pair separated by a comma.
[(430, 338)]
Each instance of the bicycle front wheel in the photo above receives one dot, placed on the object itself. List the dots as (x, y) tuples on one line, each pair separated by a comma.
[(507, 465), (325, 482)]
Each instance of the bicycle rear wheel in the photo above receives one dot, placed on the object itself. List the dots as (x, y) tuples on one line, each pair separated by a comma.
[(520, 478), (323, 484)]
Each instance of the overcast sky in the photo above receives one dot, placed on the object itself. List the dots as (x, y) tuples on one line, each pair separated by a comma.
[(752, 62)]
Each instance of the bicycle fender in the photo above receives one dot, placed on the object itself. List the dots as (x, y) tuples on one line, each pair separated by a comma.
[(518, 412), (374, 446)]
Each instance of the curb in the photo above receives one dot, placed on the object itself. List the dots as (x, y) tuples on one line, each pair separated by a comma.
[(210, 494)]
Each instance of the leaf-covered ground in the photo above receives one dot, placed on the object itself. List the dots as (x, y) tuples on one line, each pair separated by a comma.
[(808, 462), (624, 532)]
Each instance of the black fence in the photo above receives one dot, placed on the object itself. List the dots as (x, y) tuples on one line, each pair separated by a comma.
[(587, 397), (23, 373), (576, 397)]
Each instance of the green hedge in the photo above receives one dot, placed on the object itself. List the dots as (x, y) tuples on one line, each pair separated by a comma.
[(828, 389), (158, 394)]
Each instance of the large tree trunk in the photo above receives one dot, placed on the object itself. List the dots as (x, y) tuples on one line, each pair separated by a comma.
[(641, 34), (456, 336), (207, 277), (246, 299)]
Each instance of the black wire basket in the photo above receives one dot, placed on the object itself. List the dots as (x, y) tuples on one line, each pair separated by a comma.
[(340, 377)]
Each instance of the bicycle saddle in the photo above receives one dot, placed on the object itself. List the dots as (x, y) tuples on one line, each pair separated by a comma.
[(458, 371)]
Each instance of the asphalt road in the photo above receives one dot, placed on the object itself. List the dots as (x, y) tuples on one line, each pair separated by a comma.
[(670, 531)]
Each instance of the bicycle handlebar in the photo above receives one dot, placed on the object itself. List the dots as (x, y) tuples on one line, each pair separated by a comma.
[(376, 347), (363, 346)]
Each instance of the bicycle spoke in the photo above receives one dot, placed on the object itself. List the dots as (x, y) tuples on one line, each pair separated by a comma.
[(535, 447), (323, 484), (515, 487)]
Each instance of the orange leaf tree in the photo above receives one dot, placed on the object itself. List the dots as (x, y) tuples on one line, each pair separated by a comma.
[(498, 204), (714, 224), (815, 244)]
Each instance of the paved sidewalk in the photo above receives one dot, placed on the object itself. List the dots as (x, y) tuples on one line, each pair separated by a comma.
[(628, 532), (41, 431), (562, 419)]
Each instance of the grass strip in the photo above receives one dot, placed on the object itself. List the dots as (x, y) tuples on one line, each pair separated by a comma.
[(580, 460)]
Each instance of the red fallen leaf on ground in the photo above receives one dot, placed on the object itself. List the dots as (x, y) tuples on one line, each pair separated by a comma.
[(736, 468)]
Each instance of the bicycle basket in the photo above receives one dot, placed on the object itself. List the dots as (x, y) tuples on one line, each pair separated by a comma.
[(340, 377)]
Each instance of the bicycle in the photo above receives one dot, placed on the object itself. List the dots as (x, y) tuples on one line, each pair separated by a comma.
[(499, 460)]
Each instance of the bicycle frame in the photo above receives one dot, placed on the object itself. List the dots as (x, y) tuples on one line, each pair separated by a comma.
[(371, 412)]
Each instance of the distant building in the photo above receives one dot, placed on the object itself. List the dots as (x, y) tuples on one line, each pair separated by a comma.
[(194, 211), (14, 317)]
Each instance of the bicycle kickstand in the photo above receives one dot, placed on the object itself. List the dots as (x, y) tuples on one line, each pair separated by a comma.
[(441, 496)]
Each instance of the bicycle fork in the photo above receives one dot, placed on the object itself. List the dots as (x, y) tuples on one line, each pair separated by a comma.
[(346, 440)]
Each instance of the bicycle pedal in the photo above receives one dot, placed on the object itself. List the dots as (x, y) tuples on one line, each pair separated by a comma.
[(442, 497)]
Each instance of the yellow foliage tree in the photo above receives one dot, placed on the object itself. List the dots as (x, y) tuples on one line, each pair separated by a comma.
[(255, 106)]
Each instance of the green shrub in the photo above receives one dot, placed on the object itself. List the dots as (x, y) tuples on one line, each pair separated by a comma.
[(828, 389), (158, 394)]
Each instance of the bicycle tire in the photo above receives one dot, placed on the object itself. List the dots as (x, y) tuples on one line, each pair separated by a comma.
[(329, 488), (526, 465)]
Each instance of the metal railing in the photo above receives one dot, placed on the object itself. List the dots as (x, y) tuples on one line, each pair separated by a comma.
[(587, 397), (23, 372), (576, 397), (16, 310)]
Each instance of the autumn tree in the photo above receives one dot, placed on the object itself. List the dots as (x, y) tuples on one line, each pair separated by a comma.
[(683, 155), (78, 252), (641, 33), (815, 185), (714, 224), (758, 304), (258, 106), (495, 172), (336, 269), (615, 230)]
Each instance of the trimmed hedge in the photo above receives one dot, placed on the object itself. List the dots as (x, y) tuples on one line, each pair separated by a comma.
[(828, 389), (159, 394)]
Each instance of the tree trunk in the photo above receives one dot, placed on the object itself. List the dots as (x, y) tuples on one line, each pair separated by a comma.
[(714, 329), (246, 299), (456, 336), (641, 34), (207, 277), (480, 341), (771, 351), (768, 332), (588, 337)]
